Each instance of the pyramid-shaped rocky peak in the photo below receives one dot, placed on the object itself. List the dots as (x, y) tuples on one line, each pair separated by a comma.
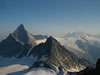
[(20, 28), (20, 31), (20, 41), (50, 38), (51, 41), (44, 48), (24, 36), (56, 54)]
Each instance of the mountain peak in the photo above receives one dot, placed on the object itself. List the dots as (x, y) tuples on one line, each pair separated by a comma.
[(21, 28), (46, 47), (51, 39), (24, 36), (51, 42), (22, 25)]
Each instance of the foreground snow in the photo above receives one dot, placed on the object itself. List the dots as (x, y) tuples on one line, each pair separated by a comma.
[(13, 66), (41, 71), (11, 69)]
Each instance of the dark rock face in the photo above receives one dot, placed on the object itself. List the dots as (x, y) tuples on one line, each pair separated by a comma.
[(11, 47), (61, 71), (91, 71), (57, 54), (98, 65), (24, 36)]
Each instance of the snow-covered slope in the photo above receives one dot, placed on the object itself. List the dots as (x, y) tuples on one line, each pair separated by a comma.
[(41, 71), (14, 66)]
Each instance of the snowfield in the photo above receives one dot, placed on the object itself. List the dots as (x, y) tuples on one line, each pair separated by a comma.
[(11, 69), (41, 71), (13, 66)]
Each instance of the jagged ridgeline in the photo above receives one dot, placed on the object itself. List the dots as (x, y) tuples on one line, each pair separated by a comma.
[(17, 42), (58, 55)]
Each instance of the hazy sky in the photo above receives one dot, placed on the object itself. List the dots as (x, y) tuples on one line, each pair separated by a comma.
[(54, 17)]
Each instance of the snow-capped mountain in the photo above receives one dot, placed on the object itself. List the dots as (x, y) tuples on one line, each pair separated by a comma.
[(24, 36), (52, 52), (16, 43)]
